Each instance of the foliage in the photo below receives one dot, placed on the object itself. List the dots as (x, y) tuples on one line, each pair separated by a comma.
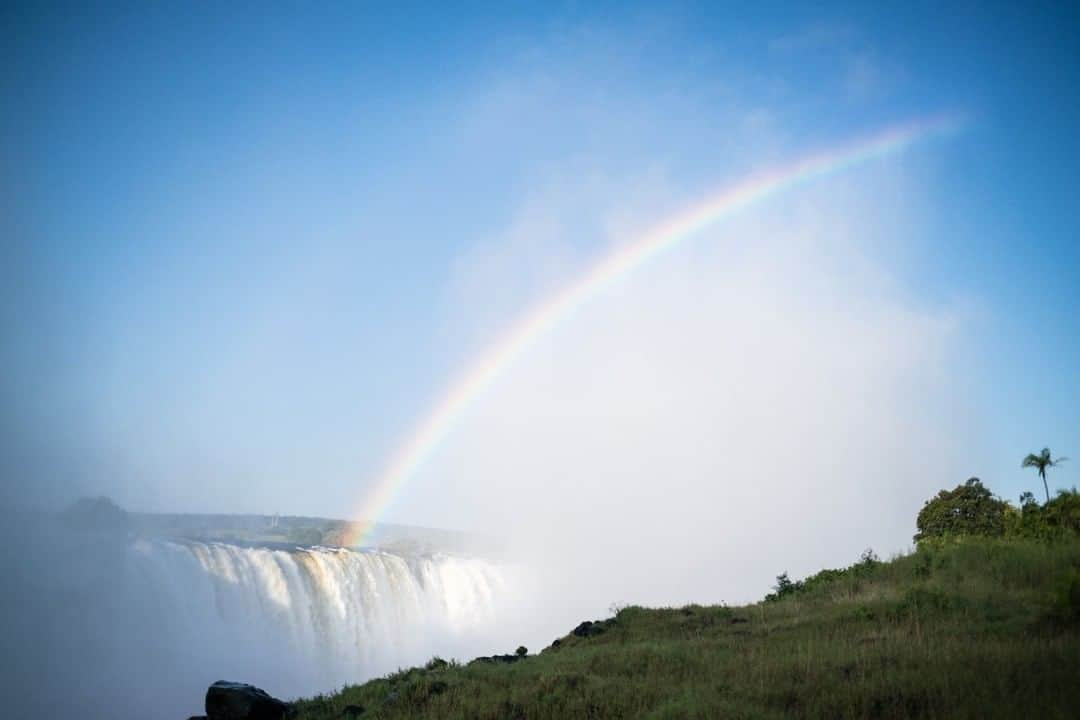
[(1054, 520), (963, 627), (1040, 462), (971, 510), (435, 663), (786, 587), (1066, 598), (968, 509)]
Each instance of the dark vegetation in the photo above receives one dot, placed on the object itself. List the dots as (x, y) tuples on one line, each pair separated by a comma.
[(1040, 462), (972, 510), (981, 620)]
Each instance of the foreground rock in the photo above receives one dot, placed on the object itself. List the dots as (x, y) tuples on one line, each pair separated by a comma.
[(520, 654), (589, 628), (239, 701)]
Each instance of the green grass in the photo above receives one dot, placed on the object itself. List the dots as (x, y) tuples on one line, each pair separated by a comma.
[(970, 629)]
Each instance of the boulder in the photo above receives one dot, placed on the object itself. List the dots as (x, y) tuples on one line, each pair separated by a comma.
[(589, 628), (239, 701)]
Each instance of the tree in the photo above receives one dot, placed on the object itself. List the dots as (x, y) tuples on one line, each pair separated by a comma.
[(968, 509), (1057, 519), (784, 586), (1040, 462)]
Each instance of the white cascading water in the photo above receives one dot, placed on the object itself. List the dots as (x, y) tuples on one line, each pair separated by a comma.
[(109, 627), (101, 624), (312, 619)]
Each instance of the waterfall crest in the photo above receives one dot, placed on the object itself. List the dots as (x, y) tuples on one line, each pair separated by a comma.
[(310, 619), (134, 628)]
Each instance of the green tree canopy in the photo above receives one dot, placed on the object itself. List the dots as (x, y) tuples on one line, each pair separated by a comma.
[(1040, 462), (968, 509), (1059, 518)]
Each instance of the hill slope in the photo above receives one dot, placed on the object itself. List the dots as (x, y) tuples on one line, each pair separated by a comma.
[(973, 629)]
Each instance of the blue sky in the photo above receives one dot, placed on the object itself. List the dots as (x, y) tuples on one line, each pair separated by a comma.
[(235, 240)]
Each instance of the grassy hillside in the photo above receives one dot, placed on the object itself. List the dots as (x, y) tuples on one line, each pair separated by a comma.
[(973, 628)]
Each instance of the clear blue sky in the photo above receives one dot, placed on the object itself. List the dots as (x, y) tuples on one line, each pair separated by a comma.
[(228, 234)]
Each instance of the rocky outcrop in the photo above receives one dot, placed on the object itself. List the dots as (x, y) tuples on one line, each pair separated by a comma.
[(239, 701), (589, 628), (493, 659), (520, 654)]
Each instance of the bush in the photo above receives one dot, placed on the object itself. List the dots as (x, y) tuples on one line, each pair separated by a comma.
[(968, 509), (1065, 605), (436, 663), (786, 587), (1055, 520)]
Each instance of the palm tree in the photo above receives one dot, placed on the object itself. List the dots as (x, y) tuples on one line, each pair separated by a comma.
[(1040, 462)]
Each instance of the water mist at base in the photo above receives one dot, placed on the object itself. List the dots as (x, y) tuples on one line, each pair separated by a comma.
[(140, 628)]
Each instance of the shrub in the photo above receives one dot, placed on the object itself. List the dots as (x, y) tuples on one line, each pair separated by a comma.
[(1065, 605), (436, 663), (783, 588), (968, 509), (1057, 519), (786, 587)]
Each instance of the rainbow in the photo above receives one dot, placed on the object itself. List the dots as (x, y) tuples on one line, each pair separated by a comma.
[(540, 320)]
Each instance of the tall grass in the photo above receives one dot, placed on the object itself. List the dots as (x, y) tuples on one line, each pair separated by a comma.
[(965, 629)]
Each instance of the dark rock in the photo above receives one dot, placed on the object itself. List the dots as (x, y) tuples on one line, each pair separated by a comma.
[(352, 711), (590, 628), (239, 701), (557, 642), (491, 659)]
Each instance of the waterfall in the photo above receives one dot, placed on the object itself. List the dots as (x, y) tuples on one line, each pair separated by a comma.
[(316, 618), (140, 628)]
